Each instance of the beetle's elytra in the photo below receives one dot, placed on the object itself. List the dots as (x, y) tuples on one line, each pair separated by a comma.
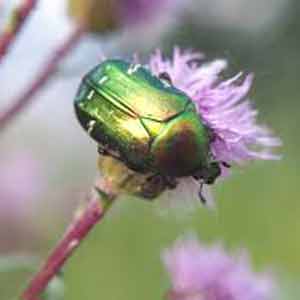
[(145, 121)]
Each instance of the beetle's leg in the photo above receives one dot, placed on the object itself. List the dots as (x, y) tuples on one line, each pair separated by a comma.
[(102, 150), (196, 177), (165, 76), (201, 197), (225, 164), (153, 187), (156, 178), (171, 182)]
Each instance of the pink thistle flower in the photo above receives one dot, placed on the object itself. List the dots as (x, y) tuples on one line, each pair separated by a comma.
[(224, 107), (199, 272), (222, 104)]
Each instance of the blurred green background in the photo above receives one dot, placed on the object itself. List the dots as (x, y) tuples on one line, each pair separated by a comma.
[(257, 207)]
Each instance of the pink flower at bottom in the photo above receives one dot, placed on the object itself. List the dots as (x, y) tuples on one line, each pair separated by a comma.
[(198, 272)]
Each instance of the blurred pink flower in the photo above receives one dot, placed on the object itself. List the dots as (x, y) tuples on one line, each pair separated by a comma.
[(199, 272), (21, 183), (141, 11), (107, 16), (222, 104)]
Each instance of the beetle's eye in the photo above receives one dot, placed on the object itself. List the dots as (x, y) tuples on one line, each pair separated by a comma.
[(165, 76)]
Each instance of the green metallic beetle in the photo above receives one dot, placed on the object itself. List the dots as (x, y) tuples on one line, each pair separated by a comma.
[(145, 122)]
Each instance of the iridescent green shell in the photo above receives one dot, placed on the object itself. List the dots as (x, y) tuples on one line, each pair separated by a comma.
[(152, 126)]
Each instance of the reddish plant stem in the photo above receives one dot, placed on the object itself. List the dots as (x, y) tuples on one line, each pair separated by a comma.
[(73, 237), (42, 78), (16, 21)]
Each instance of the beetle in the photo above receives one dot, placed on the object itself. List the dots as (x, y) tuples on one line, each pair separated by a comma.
[(147, 123)]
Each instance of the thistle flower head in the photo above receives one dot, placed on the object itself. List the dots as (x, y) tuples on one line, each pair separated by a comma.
[(198, 272), (222, 104)]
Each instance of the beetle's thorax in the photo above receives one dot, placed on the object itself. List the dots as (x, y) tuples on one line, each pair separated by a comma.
[(182, 147)]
